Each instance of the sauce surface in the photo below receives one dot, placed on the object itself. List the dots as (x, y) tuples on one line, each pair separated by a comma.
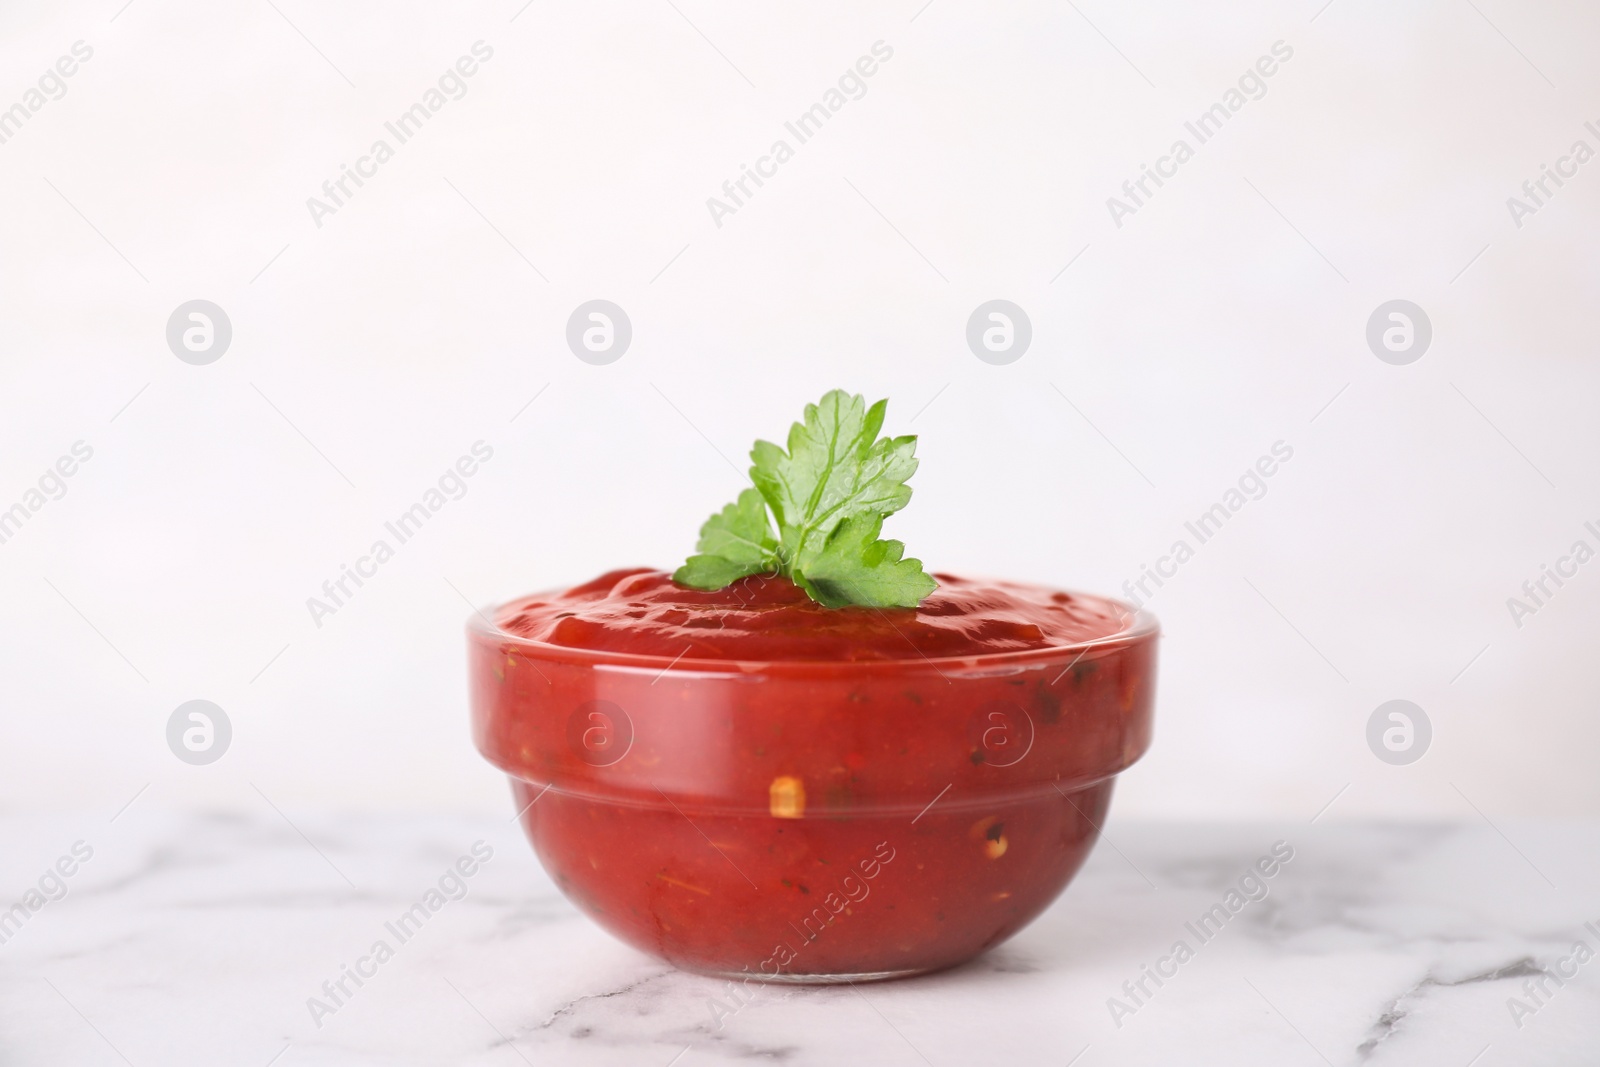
[(643, 612)]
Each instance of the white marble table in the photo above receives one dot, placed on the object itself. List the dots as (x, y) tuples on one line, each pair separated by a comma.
[(199, 940)]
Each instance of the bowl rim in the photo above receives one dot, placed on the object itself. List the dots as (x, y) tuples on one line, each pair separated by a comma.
[(1139, 626)]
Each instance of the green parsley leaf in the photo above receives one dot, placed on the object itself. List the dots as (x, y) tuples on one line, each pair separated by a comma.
[(854, 567), (735, 542), (829, 493)]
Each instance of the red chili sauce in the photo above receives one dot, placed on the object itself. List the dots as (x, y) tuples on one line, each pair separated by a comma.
[(849, 792), (766, 619)]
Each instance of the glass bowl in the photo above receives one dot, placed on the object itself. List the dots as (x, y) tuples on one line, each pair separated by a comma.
[(813, 821)]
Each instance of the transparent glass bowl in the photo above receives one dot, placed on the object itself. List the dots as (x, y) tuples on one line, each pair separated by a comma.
[(813, 822)]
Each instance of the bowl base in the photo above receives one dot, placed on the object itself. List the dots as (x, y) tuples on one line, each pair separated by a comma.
[(784, 978)]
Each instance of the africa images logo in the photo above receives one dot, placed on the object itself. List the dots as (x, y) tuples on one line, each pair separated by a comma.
[(451, 85), (1251, 85)]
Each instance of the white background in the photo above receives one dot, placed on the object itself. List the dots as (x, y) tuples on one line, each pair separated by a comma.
[(369, 353)]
